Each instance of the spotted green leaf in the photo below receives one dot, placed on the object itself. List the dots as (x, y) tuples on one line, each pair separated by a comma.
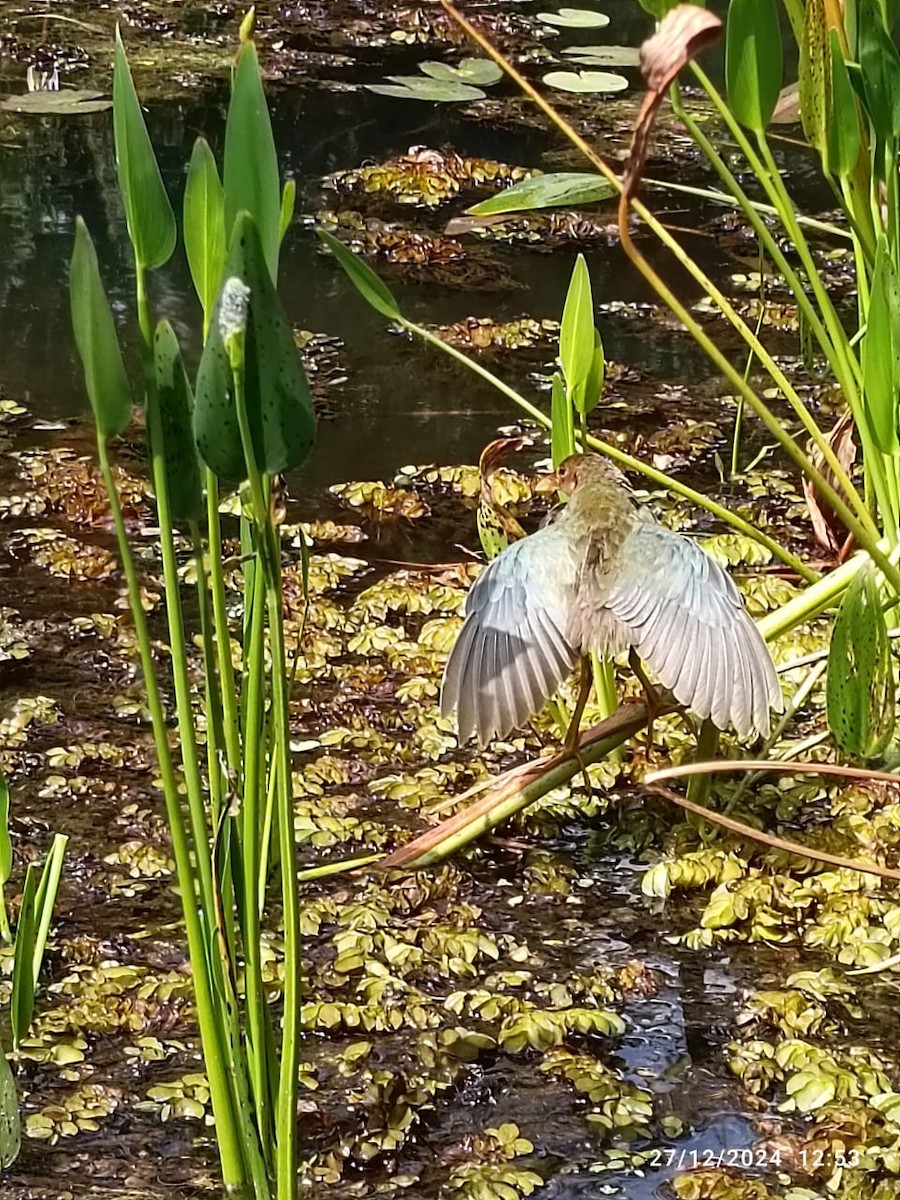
[(10, 1123), (179, 451), (279, 404), (859, 692)]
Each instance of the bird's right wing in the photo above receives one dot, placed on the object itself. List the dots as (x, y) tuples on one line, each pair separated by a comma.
[(512, 654), (686, 619)]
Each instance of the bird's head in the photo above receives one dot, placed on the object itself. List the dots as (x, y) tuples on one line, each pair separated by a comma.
[(579, 469)]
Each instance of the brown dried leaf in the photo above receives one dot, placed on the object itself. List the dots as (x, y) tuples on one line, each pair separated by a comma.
[(682, 34), (830, 531)]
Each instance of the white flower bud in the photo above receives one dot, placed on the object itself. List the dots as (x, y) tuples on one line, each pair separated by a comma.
[(233, 308)]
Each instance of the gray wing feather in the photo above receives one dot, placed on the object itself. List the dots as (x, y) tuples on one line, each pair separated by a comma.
[(512, 654), (685, 618)]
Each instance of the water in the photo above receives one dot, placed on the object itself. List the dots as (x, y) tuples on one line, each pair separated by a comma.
[(422, 407), (402, 403)]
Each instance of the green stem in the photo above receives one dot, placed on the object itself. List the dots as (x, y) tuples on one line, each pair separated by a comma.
[(228, 1127), (231, 725), (190, 757), (779, 259), (269, 551)]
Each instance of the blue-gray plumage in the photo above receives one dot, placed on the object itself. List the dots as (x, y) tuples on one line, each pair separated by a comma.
[(604, 576)]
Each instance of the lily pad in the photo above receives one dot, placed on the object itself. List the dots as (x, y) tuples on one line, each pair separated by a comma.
[(586, 81), (604, 56), (479, 71), (575, 18), (67, 103), (413, 87)]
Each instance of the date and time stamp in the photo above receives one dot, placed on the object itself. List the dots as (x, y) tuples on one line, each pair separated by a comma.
[(760, 1158)]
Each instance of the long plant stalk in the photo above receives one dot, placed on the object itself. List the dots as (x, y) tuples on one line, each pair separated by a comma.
[(235, 1168), (268, 546)]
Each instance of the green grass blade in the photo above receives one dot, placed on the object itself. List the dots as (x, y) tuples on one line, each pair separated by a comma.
[(279, 403), (45, 900)]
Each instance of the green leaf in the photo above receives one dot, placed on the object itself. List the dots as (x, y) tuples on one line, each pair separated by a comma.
[(482, 72), (414, 87), (604, 56), (810, 1090), (587, 398), (859, 691), (575, 18), (279, 404), (148, 213), (10, 1123), (176, 403), (204, 224), (879, 64), (577, 334), (844, 136), (600, 82), (6, 854), (753, 61), (250, 170), (562, 422), (69, 102), (363, 278), (45, 900), (814, 68), (288, 200), (881, 352), (96, 339), (546, 191), (491, 534), (21, 1006)]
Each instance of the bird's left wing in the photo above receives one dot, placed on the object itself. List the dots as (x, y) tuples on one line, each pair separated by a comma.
[(512, 654), (686, 619)]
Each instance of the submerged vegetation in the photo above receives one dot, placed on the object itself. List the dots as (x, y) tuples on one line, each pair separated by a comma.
[(584, 988)]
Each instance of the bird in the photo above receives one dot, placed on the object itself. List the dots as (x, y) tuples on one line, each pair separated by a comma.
[(603, 575)]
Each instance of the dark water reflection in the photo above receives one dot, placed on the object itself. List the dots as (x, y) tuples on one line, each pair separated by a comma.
[(400, 405)]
